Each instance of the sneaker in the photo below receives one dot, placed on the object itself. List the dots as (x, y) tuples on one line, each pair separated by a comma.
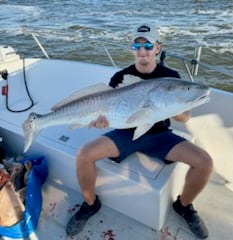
[(195, 223), (79, 219)]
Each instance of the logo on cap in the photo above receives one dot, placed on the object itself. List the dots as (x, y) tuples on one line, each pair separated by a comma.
[(144, 29)]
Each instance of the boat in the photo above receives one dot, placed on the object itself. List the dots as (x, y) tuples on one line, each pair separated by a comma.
[(137, 194)]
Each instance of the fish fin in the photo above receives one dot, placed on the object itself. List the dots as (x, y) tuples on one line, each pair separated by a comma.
[(74, 126), (129, 79), (140, 130), (31, 129), (140, 115), (81, 93)]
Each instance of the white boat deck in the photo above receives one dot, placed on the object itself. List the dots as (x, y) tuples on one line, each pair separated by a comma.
[(214, 204), (211, 126), (60, 202)]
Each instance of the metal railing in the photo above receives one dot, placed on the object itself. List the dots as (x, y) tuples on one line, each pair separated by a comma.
[(195, 62)]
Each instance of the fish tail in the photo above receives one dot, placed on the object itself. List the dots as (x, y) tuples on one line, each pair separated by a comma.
[(31, 130)]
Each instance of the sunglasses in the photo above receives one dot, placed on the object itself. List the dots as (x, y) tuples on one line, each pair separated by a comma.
[(147, 46)]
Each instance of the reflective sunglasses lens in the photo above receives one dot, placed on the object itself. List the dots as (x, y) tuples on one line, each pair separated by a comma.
[(136, 46), (148, 46)]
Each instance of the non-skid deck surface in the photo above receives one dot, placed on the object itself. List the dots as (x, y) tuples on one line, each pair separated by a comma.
[(214, 204)]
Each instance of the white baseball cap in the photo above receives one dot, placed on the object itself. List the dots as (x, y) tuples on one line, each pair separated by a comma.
[(146, 31)]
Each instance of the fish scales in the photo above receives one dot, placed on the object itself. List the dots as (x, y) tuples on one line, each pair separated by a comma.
[(106, 103), (138, 105)]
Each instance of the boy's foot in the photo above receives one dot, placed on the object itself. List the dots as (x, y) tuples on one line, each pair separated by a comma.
[(194, 221), (79, 219)]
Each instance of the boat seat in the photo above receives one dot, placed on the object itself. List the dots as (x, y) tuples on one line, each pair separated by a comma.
[(140, 187)]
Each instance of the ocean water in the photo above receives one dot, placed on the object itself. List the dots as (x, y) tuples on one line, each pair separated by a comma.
[(81, 30)]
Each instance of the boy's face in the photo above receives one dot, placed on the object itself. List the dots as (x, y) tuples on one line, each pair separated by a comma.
[(143, 55)]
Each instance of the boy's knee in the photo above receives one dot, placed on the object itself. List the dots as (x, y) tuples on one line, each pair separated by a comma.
[(83, 155), (207, 163)]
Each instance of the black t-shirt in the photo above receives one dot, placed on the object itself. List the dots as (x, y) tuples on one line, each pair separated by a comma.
[(160, 71)]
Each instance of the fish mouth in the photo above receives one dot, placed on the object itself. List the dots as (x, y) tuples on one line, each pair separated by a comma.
[(202, 99), (205, 96)]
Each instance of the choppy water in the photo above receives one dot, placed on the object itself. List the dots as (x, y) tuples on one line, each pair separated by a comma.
[(76, 29)]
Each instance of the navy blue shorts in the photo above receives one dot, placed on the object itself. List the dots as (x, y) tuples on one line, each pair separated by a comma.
[(155, 145)]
